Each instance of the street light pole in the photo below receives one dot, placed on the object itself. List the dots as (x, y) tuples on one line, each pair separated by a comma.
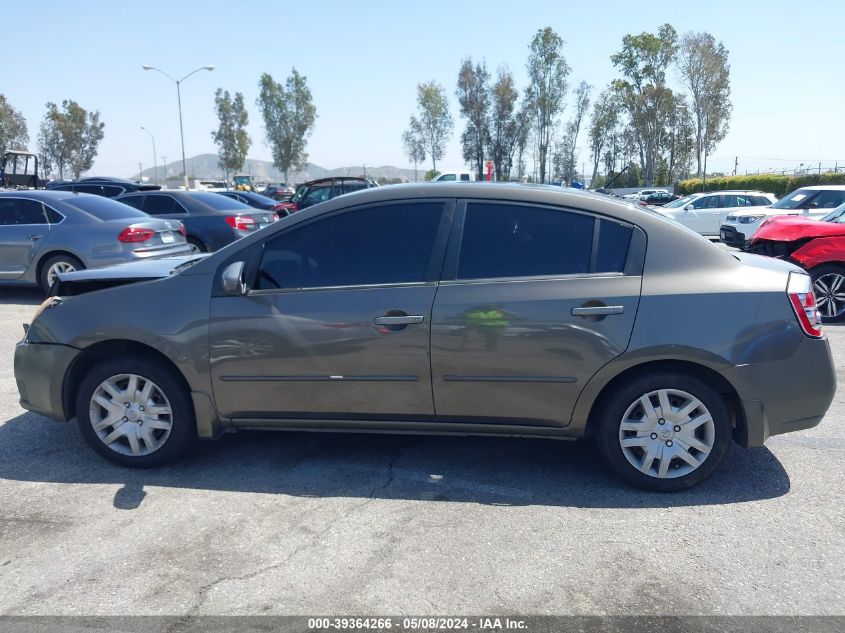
[(155, 161), (178, 83)]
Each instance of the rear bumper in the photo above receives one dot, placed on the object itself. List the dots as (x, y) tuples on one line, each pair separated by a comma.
[(730, 236), (784, 396), (40, 370)]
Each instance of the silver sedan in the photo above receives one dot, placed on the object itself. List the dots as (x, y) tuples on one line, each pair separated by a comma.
[(44, 233)]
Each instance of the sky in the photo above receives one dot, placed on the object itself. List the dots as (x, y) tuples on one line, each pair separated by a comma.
[(364, 60)]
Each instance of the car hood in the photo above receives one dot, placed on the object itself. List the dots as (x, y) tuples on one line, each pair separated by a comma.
[(791, 228), (92, 279)]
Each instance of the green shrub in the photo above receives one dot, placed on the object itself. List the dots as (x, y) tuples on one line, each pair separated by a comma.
[(771, 183)]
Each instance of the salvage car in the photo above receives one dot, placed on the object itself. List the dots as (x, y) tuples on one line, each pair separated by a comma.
[(44, 233), (490, 309), (809, 202), (816, 246)]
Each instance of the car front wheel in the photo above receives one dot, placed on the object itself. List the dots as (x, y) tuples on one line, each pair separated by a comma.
[(829, 288), (664, 432), (135, 412)]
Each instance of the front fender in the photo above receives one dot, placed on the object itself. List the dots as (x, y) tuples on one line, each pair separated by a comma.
[(822, 250)]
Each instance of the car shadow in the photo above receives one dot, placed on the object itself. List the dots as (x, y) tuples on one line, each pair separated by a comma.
[(486, 470), (10, 295)]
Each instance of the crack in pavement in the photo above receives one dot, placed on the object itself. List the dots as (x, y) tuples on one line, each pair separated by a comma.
[(203, 591)]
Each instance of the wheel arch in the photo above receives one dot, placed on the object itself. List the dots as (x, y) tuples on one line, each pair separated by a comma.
[(697, 370), (43, 257), (103, 350)]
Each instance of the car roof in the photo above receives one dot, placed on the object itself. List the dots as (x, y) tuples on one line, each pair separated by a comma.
[(735, 191), (334, 179), (823, 187), (45, 195)]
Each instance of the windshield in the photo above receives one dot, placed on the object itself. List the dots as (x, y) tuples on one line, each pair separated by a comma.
[(221, 203), (103, 208), (301, 190), (837, 215), (677, 204)]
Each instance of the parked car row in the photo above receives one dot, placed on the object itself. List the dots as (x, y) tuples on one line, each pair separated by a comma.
[(392, 310), (44, 233), (95, 222)]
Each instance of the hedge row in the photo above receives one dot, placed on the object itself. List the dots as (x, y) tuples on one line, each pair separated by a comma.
[(772, 183)]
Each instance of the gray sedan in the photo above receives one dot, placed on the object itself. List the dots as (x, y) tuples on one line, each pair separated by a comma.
[(44, 233), (460, 309)]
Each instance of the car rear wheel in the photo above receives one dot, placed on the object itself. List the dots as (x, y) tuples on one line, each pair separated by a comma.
[(55, 265), (197, 244), (135, 412), (664, 432), (829, 288)]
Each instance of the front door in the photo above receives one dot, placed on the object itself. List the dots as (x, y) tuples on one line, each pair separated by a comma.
[(337, 322), (23, 228), (534, 303)]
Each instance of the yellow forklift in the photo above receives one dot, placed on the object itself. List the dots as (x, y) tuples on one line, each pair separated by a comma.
[(243, 182)]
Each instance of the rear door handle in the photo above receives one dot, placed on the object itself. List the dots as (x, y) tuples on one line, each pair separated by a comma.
[(34, 237), (407, 319), (597, 310)]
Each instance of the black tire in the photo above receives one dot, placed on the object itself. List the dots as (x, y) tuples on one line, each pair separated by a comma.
[(610, 413), (202, 248), (51, 261), (828, 271), (183, 431)]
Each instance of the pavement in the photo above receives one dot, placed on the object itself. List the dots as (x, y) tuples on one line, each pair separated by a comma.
[(297, 523)]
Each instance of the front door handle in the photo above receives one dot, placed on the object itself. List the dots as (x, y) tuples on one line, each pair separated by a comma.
[(597, 310), (407, 319)]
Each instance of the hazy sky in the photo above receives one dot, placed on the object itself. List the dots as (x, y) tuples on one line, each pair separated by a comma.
[(363, 61)]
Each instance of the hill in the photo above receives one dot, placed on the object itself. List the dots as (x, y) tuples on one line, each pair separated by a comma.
[(204, 166)]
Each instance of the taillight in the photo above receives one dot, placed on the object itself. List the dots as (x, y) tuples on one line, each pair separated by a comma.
[(800, 292), (241, 223), (134, 234), (182, 230)]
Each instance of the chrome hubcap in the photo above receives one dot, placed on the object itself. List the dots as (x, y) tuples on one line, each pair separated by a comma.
[(830, 294), (667, 433), (131, 415), (55, 269)]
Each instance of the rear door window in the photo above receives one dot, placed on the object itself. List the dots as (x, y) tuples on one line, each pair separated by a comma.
[(349, 186), (133, 201), (505, 240), (161, 205)]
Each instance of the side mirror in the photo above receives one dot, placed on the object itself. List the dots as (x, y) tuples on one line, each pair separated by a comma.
[(233, 279), (688, 207)]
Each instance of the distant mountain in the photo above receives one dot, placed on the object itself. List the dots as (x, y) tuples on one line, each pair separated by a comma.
[(204, 166)]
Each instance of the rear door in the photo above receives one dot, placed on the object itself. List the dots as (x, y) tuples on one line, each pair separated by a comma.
[(23, 229), (534, 300)]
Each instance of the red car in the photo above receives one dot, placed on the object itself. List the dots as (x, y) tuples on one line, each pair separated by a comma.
[(818, 246)]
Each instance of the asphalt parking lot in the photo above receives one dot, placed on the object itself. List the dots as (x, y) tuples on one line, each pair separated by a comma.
[(308, 523)]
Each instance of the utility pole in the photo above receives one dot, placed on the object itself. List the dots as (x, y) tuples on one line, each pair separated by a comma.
[(736, 164), (140, 173)]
